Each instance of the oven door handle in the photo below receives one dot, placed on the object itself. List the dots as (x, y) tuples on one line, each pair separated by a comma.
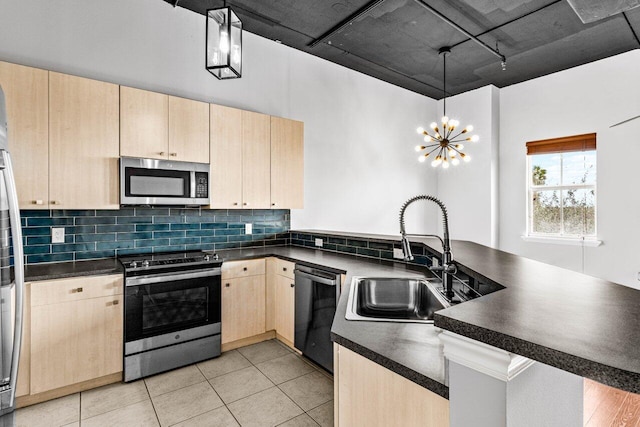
[(166, 277)]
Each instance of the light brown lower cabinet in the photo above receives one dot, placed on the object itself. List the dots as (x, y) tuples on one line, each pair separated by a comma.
[(243, 307), (285, 308), (370, 395), (281, 299), (76, 334)]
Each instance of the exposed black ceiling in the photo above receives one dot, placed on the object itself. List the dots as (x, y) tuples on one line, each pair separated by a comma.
[(398, 40)]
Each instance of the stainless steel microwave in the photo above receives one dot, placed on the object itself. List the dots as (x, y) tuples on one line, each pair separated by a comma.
[(163, 182)]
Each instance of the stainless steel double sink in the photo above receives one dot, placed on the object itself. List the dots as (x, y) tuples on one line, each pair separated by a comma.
[(394, 299)]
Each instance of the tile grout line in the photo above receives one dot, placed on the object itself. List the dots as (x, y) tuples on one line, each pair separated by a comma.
[(152, 404)]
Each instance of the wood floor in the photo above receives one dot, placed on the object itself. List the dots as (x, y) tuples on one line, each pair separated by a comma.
[(607, 407)]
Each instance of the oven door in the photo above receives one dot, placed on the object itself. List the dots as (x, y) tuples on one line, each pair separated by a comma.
[(169, 308)]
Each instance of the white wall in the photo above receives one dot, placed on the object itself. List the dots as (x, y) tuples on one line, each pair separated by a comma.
[(585, 99), (470, 190), (359, 131)]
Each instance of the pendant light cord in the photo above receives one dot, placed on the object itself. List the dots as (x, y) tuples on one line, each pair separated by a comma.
[(444, 86)]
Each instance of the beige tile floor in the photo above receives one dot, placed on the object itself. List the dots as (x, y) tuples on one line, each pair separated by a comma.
[(264, 384)]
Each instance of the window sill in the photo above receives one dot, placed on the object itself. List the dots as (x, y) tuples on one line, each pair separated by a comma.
[(563, 241)]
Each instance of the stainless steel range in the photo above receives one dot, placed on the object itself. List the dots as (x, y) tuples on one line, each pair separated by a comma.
[(172, 311)]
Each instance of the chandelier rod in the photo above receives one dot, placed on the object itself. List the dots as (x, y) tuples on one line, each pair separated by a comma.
[(462, 30)]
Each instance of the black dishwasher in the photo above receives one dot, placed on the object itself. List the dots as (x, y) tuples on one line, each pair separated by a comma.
[(316, 294)]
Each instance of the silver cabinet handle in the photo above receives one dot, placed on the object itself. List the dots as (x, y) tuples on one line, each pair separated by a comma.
[(235, 204), (116, 302), (246, 204), (173, 154), (274, 204), (162, 153), (38, 202), (76, 290), (292, 285), (227, 285), (284, 268), (56, 202)]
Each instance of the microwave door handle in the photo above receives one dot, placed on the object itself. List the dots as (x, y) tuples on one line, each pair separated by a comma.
[(192, 174)]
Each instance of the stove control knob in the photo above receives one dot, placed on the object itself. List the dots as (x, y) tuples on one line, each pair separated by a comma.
[(206, 257), (134, 264), (216, 257), (145, 263)]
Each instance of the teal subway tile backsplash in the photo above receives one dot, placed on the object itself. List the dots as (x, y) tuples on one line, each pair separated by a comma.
[(106, 233), (371, 248)]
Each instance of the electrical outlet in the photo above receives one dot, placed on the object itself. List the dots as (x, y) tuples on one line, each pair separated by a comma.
[(397, 253), (248, 228), (319, 243), (57, 235)]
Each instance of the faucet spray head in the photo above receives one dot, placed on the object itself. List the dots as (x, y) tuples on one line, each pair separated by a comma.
[(406, 248)]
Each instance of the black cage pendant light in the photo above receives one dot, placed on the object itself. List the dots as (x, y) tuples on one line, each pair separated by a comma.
[(224, 43)]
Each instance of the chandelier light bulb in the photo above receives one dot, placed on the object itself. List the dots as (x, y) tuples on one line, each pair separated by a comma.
[(475, 138), (455, 161), (445, 119), (469, 128), (459, 147), (428, 138), (436, 162), (433, 125), (445, 164), (420, 147), (421, 159), (420, 129), (467, 158)]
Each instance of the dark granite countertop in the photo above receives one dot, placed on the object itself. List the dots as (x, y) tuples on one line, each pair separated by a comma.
[(59, 270), (574, 322)]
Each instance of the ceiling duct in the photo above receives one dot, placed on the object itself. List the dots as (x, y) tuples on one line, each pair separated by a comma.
[(595, 10)]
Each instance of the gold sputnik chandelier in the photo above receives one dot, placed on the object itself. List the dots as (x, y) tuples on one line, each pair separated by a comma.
[(445, 142)]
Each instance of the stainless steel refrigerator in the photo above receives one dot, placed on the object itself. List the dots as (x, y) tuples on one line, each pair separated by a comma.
[(11, 277)]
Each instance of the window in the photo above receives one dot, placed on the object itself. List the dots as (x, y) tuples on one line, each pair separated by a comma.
[(561, 187)]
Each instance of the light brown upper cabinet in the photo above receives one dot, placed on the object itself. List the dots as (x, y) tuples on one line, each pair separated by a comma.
[(144, 124), (226, 157), (26, 92), (188, 130), (83, 143), (256, 165), (287, 163), (158, 126), (240, 159)]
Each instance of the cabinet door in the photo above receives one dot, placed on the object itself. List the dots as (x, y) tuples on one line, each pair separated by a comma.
[(75, 341), (144, 128), (256, 163), (188, 130), (369, 394), (287, 164), (26, 92), (83, 143), (285, 308), (243, 305), (226, 157)]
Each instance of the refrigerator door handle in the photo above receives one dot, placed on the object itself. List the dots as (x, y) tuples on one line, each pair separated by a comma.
[(18, 262)]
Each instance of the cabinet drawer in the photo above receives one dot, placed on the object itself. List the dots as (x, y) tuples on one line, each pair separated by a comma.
[(234, 269), (282, 267), (74, 289)]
